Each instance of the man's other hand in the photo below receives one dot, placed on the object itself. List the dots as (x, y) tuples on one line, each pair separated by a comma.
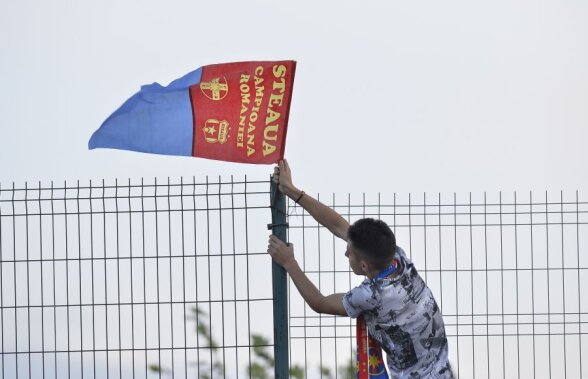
[(281, 253)]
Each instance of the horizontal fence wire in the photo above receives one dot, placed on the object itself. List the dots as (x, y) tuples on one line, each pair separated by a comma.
[(509, 271), (135, 279)]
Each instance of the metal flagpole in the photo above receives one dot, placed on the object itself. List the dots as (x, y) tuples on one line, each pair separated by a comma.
[(279, 284)]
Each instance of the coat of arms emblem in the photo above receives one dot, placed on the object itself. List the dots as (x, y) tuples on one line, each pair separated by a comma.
[(216, 131)]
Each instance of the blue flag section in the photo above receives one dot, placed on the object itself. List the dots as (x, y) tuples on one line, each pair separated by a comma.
[(155, 120), (377, 367)]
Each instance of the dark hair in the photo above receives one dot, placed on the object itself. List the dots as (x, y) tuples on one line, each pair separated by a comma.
[(375, 241)]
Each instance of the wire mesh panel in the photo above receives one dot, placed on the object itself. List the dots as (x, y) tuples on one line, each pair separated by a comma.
[(171, 279), (135, 279), (508, 270)]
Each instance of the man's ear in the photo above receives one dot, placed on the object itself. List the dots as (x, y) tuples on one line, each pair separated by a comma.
[(365, 267)]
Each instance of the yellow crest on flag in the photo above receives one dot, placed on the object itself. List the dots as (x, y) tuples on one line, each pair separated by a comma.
[(216, 131)]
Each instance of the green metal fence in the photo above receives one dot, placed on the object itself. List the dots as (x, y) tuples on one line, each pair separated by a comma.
[(142, 279)]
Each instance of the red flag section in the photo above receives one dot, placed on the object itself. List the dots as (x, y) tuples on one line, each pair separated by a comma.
[(362, 349), (241, 111)]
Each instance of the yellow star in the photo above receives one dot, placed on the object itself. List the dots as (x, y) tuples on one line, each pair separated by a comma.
[(211, 130), (374, 362)]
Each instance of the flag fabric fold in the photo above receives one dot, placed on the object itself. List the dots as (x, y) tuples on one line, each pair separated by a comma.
[(232, 111)]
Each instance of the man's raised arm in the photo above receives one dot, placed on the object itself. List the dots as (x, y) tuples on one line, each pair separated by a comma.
[(325, 215)]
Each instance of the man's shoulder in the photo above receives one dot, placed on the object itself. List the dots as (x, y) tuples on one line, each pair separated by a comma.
[(361, 298), (362, 288)]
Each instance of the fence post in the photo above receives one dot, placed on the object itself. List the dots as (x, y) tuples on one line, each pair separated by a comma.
[(279, 285)]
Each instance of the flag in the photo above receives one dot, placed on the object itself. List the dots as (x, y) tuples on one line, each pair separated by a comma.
[(370, 362), (234, 112)]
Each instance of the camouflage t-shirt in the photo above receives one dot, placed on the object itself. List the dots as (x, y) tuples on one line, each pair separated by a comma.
[(402, 315)]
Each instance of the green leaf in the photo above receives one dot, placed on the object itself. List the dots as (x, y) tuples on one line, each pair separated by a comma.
[(159, 369), (325, 371), (203, 331), (260, 345), (259, 340), (297, 372), (257, 371)]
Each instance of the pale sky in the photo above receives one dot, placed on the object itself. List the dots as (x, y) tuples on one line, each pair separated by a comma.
[(388, 96)]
